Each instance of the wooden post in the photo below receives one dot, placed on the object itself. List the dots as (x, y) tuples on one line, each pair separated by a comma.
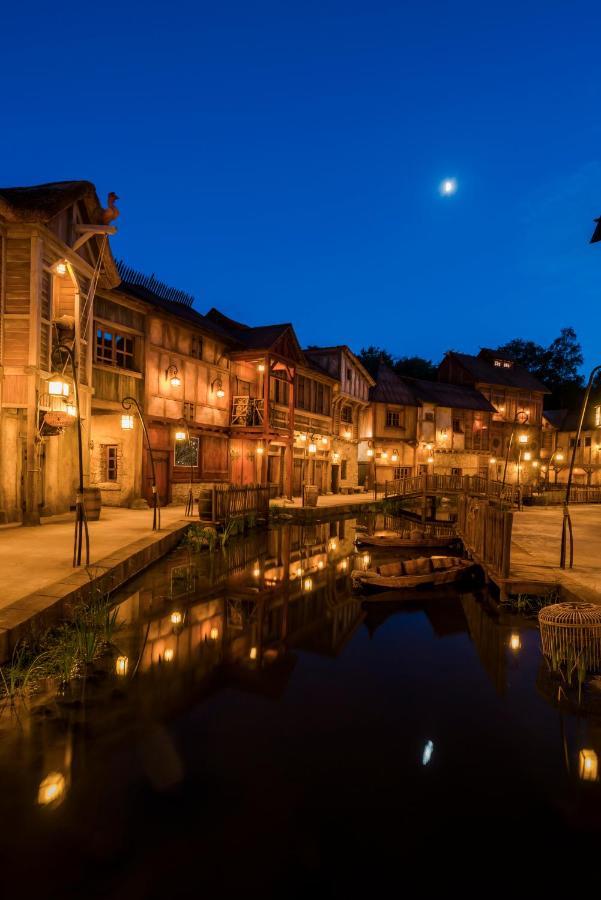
[(266, 411)]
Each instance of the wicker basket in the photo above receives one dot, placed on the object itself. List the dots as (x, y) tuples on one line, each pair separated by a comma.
[(571, 631)]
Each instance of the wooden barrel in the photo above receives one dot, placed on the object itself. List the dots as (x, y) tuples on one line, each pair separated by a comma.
[(311, 494), (205, 504), (93, 503)]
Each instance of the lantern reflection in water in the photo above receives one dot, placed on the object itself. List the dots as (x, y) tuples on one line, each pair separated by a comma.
[(515, 642), (214, 633), (308, 584), (52, 789), (588, 765), (253, 653), (169, 654), (121, 665)]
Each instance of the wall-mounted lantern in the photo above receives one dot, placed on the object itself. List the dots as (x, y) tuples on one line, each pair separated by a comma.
[(172, 375), (218, 388), (127, 423)]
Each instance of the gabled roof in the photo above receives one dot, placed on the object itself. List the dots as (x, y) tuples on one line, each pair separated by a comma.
[(261, 337), (389, 388), (341, 348), (454, 396), (42, 202), (174, 308), (568, 419), (481, 368)]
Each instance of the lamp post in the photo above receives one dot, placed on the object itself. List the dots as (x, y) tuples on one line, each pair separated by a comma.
[(127, 403), (179, 438), (81, 522), (558, 454), (567, 534), (521, 417), (371, 453)]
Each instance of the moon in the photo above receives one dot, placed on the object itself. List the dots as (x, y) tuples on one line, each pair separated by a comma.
[(448, 186)]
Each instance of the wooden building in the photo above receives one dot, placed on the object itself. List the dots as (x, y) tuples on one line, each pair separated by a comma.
[(563, 424), (517, 397), (54, 253), (350, 403)]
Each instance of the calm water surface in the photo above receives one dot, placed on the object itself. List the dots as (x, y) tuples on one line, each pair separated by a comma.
[(284, 739)]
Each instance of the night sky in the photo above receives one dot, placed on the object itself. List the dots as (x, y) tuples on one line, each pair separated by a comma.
[(282, 161)]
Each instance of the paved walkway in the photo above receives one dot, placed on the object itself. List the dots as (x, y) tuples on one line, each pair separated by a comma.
[(536, 546), (32, 558)]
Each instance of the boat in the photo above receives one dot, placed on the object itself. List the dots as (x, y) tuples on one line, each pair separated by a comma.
[(390, 540), (412, 573)]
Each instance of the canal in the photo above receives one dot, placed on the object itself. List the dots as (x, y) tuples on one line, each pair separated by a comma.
[(258, 731)]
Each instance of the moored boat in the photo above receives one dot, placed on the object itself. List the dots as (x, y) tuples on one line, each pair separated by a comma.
[(391, 541), (412, 573)]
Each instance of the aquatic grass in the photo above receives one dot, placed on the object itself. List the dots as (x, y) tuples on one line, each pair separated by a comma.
[(197, 537), (20, 677)]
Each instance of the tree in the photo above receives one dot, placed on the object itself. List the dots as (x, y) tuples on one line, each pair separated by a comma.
[(416, 367), (411, 366), (371, 357), (556, 366)]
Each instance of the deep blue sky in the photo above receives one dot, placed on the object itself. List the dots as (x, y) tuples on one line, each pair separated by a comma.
[(281, 160)]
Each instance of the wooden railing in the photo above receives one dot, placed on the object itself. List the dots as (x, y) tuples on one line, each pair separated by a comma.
[(470, 485), (486, 533), (223, 502), (428, 529), (556, 495)]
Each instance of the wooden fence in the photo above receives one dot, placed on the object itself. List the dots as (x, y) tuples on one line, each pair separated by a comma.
[(470, 485), (223, 502), (486, 533), (556, 496)]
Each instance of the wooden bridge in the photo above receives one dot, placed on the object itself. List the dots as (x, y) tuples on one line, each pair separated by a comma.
[(415, 486)]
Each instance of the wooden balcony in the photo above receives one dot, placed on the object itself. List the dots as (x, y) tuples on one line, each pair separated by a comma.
[(249, 412)]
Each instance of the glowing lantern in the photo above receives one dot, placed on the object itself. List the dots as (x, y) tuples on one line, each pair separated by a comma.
[(180, 435), (430, 459), (344, 565), (395, 456), (169, 654), (527, 456), (523, 438), (320, 564), (127, 423), (347, 434), (384, 454), (260, 367), (260, 451), (214, 633), (253, 653), (493, 460), (302, 437), (333, 544), (366, 560), (58, 388), (121, 665), (559, 457), (172, 374), (176, 618), (308, 584), (257, 570), (535, 464), (312, 448), (515, 642), (370, 452), (61, 269), (52, 789), (324, 440), (71, 410), (588, 765)]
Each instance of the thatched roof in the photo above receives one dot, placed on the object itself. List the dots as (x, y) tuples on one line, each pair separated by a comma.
[(453, 396), (389, 388), (42, 202), (481, 369)]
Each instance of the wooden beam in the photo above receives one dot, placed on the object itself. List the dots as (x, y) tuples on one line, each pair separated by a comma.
[(88, 231)]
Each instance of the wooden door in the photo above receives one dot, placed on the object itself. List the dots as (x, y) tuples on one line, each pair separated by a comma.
[(297, 477), (335, 479), (161, 467)]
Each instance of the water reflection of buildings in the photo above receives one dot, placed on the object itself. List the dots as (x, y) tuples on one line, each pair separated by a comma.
[(247, 607)]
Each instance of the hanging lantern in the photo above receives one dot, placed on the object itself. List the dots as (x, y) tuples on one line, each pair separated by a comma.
[(527, 456), (370, 452), (324, 440), (127, 422), (176, 617), (58, 388), (395, 456), (260, 367), (312, 448), (61, 269), (172, 375), (523, 438), (260, 450), (308, 584), (180, 435)]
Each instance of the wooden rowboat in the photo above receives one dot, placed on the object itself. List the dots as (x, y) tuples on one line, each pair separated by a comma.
[(412, 573), (392, 541)]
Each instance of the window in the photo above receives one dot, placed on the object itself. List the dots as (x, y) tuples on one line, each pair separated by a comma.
[(402, 471), (456, 471), (346, 415), (587, 442), (429, 416), (343, 465), (189, 411), (393, 418), (186, 453), (457, 426), (110, 462), (573, 442), (114, 349), (196, 347), (503, 363)]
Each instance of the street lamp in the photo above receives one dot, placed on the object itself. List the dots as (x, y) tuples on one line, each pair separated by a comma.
[(180, 437), (559, 457), (567, 533), (521, 418), (127, 403), (57, 387)]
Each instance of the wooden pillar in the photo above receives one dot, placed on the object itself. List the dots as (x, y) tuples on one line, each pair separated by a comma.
[(266, 380), (289, 454)]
